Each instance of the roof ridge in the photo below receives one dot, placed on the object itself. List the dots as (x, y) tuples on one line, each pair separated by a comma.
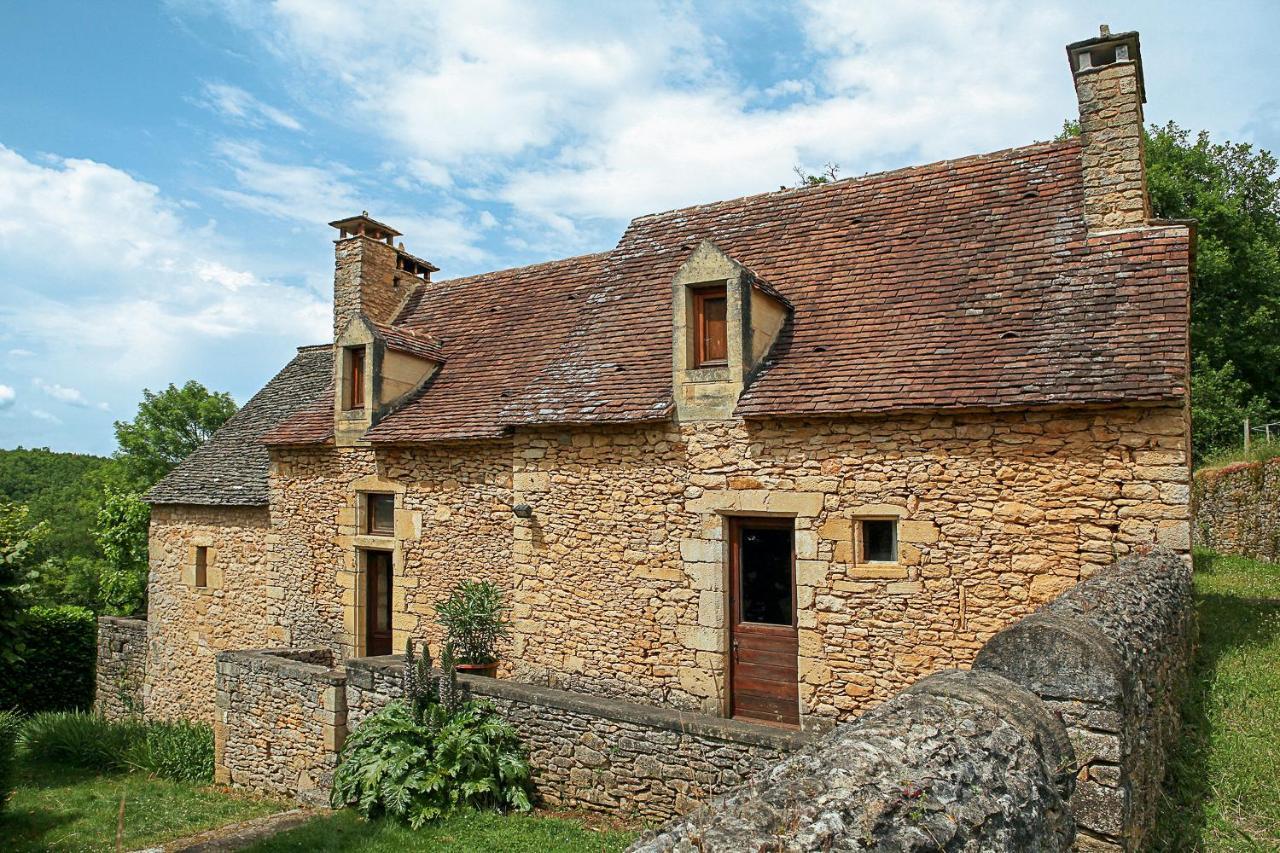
[(1003, 152), (546, 263)]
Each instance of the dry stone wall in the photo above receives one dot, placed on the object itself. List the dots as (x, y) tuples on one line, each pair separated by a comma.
[(122, 666), (619, 574), (1237, 509), (189, 624), (1056, 739), (281, 718), (606, 755)]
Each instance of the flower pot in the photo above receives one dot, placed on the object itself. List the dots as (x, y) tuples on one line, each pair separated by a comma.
[(487, 670)]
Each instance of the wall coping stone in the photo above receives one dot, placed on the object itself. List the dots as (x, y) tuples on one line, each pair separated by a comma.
[(670, 719), (286, 661), (123, 622)]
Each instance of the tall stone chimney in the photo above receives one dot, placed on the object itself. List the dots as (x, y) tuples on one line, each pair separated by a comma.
[(371, 275), (1109, 87)]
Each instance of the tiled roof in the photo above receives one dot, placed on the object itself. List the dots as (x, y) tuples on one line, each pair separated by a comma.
[(966, 283), (230, 469), (405, 340)]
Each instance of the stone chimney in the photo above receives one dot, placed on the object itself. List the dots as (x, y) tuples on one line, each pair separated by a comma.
[(1109, 87), (372, 276)]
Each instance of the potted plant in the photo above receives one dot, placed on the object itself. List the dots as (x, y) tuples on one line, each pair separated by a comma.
[(474, 619)]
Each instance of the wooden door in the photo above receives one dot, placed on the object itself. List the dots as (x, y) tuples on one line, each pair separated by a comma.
[(764, 645), (377, 602)]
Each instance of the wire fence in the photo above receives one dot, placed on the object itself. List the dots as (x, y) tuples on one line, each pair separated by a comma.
[(1268, 430)]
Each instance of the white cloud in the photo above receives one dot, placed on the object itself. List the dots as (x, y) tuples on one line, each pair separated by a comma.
[(21, 353), (240, 106), (61, 393), (41, 414), (7, 396)]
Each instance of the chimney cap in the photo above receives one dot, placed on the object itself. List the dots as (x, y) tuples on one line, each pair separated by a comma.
[(1106, 49), (366, 226)]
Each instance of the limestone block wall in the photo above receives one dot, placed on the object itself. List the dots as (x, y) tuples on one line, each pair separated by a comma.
[(189, 625), (604, 755), (1237, 509), (619, 577), (453, 523), (1055, 739), (122, 665), (281, 718)]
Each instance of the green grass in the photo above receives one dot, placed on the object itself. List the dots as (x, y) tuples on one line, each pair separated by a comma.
[(55, 807), (470, 832), (1223, 791), (1259, 451)]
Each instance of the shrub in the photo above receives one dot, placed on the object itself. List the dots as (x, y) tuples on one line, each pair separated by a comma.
[(174, 750), (474, 621), (56, 670), (417, 768), (9, 725), (79, 739)]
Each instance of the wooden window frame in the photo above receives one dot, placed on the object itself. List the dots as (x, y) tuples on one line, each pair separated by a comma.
[(863, 560), (370, 528), (700, 297), (356, 371), (200, 577)]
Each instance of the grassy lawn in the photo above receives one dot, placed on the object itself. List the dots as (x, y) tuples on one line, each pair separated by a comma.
[(61, 808), (1224, 789), (476, 832)]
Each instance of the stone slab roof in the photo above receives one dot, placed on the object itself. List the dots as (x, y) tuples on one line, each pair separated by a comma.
[(231, 468), (969, 283)]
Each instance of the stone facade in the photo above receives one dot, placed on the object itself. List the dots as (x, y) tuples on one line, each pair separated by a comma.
[(281, 718), (121, 669), (1237, 509), (1056, 740), (190, 624), (604, 755)]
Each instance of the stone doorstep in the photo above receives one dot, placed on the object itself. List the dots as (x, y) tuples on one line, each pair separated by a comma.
[(237, 836)]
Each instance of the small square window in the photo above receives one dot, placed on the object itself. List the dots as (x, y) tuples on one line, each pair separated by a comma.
[(879, 540), (380, 513), (202, 566)]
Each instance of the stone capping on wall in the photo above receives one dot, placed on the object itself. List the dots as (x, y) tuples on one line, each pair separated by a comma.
[(617, 710), (1058, 736), (121, 669)]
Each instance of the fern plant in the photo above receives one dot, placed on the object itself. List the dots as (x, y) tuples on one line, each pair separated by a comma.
[(418, 767)]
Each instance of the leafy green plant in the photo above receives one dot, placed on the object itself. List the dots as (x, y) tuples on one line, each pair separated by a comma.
[(474, 620), (78, 739), (56, 670), (9, 725), (420, 767), (176, 749), (20, 546), (122, 532)]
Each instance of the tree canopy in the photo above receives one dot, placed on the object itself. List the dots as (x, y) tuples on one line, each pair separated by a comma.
[(169, 426)]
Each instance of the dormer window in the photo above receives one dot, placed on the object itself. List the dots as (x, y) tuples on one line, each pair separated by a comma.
[(355, 378), (711, 338)]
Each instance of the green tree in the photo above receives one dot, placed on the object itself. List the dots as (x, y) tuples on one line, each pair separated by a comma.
[(21, 544), (1220, 401), (122, 536), (168, 427)]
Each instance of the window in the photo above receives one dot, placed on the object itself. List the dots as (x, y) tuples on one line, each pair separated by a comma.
[(879, 541), (380, 515), (202, 566), (710, 314), (355, 378)]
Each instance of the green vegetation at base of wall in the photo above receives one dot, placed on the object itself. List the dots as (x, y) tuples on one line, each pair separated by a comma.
[(55, 673), (1223, 791)]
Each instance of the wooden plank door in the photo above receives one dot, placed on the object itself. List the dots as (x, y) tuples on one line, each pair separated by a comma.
[(764, 645), (377, 603)]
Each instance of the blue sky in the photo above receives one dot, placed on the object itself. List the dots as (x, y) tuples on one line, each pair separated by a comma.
[(167, 170)]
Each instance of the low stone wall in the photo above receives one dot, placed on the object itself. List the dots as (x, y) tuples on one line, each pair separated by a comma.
[(122, 667), (605, 755), (1056, 738), (1236, 509), (281, 717)]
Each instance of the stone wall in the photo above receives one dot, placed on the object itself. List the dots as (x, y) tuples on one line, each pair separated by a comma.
[(619, 576), (281, 718), (122, 665), (191, 624), (1056, 738), (606, 755), (1237, 509)]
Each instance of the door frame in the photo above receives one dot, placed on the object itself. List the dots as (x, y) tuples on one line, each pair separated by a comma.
[(733, 610)]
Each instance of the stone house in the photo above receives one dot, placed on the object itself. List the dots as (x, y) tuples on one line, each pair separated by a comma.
[(774, 458)]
